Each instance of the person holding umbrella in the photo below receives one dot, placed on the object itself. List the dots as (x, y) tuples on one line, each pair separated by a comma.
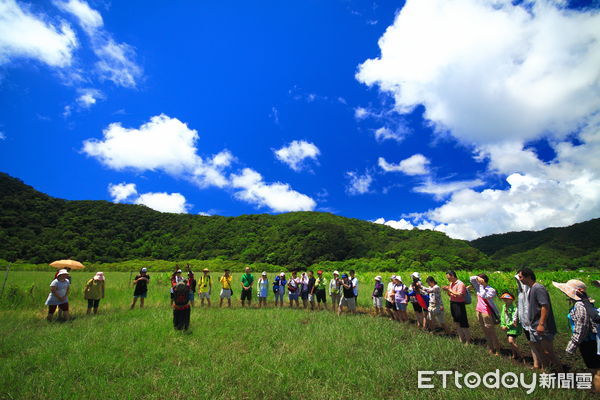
[(58, 297), (93, 292)]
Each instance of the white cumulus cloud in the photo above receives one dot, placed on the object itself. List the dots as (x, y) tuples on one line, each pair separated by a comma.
[(26, 35), (122, 191), (416, 164), (164, 202), (279, 197), (497, 75), (296, 152)]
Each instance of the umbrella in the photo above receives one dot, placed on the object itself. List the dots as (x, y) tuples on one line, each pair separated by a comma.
[(67, 264)]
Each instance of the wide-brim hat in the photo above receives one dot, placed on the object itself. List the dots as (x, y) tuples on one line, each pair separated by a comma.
[(99, 276), (205, 270), (62, 272), (378, 278), (264, 273), (507, 296), (336, 272), (570, 288)]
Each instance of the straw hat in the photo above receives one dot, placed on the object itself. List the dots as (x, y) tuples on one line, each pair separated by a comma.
[(570, 288)]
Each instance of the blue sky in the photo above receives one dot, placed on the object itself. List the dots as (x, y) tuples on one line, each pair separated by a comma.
[(463, 116)]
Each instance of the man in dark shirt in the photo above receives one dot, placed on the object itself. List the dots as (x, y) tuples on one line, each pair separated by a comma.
[(141, 287), (542, 325), (348, 298), (311, 286)]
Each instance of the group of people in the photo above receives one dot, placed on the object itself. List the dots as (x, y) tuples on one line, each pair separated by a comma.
[(529, 313)]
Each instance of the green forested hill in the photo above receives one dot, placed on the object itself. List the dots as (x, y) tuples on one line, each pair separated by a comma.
[(573, 246), (37, 228)]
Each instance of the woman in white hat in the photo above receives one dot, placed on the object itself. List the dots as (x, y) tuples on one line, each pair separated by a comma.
[(263, 290), (58, 297), (584, 330), (93, 292)]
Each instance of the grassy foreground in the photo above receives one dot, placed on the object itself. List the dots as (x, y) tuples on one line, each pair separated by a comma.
[(229, 353)]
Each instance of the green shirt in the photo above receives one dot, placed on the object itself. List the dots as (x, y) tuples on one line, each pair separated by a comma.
[(94, 290), (247, 280), (320, 283), (507, 317)]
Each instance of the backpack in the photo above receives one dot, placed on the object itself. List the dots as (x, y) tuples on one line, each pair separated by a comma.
[(468, 299)]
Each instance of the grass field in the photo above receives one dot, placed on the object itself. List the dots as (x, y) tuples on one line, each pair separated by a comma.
[(234, 353)]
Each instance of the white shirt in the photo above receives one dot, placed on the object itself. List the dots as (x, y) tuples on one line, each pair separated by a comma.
[(355, 286)]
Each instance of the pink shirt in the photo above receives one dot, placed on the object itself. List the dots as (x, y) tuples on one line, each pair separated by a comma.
[(482, 306), (460, 288)]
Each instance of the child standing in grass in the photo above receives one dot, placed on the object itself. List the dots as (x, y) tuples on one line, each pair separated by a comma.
[(94, 292), (378, 296), (181, 306), (263, 289), (205, 287), (435, 310), (58, 297), (400, 299), (509, 322), (226, 289), (191, 282)]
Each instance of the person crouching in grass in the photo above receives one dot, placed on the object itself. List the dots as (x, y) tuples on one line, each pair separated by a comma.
[(181, 306), (509, 322), (58, 297), (94, 292), (378, 296)]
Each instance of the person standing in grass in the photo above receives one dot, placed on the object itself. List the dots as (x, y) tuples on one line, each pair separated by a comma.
[(175, 279), (181, 306), (141, 287), (319, 290), (93, 292), (458, 292), (523, 317), (191, 282), (311, 289), (378, 296), (509, 322), (354, 281), (435, 311), (304, 289), (416, 299), (263, 289), (348, 296), (293, 287), (584, 330), (390, 302), (335, 288), (486, 311), (247, 281), (542, 327), (279, 284), (59, 295), (400, 299), (205, 287), (226, 288)]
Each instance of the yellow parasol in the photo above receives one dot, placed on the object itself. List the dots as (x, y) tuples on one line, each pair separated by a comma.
[(67, 264)]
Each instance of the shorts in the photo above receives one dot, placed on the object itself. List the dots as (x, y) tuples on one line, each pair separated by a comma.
[(389, 305), (321, 296), (191, 296), (400, 306), (535, 337), (459, 313), (140, 295), (589, 352), (279, 296), (246, 294), (293, 296), (62, 307), (436, 316), (304, 295), (225, 293), (206, 295), (485, 320), (335, 298), (378, 302), (93, 303), (417, 307), (350, 302)]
